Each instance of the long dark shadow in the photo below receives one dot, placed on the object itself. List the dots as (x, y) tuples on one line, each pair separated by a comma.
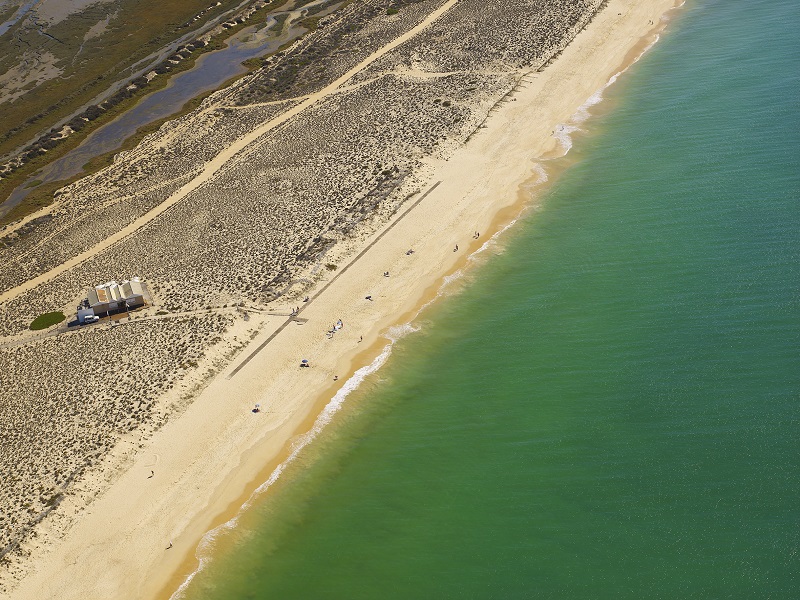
[(327, 285)]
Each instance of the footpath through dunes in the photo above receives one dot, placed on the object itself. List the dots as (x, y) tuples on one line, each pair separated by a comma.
[(272, 211), (277, 220), (208, 459), (213, 167), (284, 214)]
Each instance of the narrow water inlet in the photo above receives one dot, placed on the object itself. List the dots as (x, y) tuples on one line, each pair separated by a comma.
[(209, 72)]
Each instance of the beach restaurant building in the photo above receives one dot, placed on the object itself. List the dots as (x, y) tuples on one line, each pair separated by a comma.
[(113, 296)]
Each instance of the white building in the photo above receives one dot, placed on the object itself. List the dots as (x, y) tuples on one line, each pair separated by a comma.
[(113, 296)]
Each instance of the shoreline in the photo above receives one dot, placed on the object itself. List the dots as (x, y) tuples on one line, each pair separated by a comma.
[(365, 359), (210, 484), (504, 218)]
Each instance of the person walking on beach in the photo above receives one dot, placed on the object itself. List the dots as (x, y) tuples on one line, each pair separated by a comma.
[(456, 248)]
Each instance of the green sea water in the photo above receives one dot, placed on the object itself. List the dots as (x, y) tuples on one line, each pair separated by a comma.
[(609, 407)]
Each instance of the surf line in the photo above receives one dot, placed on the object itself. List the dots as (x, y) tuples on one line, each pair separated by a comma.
[(285, 324)]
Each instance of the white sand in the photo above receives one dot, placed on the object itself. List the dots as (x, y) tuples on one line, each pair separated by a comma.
[(211, 457)]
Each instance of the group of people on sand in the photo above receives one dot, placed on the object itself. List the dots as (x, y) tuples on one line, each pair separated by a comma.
[(339, 324), (336, 327)]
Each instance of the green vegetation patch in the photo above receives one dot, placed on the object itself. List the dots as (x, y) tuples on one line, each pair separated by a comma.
[(135, 29), (42, 195), (47, 320)]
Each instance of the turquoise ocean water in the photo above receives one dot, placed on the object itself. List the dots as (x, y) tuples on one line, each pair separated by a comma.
[(610, 407)]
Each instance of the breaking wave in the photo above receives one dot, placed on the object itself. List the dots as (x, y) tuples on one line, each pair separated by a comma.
[(563, 131), (205, 547)]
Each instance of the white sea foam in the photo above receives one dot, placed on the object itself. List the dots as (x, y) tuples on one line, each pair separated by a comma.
[(541, 175), (492, 241), (205, 547), (398, 332), (563, 131), (449, 280)]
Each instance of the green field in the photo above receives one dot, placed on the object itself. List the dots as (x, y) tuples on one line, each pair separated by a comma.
[(47, 320)]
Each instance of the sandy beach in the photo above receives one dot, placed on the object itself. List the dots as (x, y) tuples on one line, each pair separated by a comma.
[(138, 537)]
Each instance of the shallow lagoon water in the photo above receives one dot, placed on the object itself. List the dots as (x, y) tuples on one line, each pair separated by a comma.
[(210, 71)]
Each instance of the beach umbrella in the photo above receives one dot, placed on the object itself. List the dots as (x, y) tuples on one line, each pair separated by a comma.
[(304, 361)]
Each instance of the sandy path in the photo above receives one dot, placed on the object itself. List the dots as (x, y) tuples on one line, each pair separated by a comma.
[(213, 167), (213, 456), (33, 250)]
